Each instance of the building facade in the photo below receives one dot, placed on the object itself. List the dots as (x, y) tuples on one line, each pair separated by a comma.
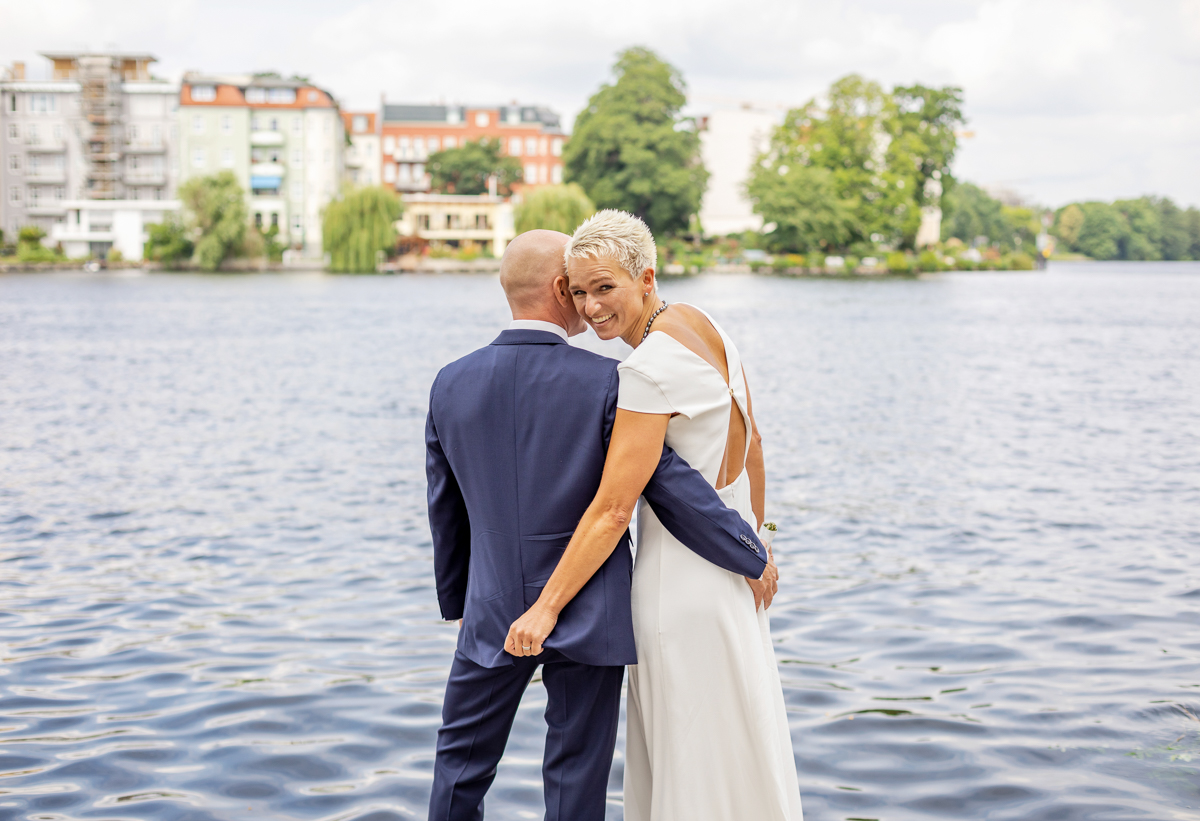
[(410, 133), (282, 139), (101, 128), (454, 220), (730, 141), (99, 227), (364, 165)]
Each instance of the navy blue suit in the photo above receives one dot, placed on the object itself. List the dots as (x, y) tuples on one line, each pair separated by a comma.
[(516, 440)]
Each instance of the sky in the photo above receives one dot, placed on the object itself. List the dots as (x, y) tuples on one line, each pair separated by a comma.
[(1068, 99)]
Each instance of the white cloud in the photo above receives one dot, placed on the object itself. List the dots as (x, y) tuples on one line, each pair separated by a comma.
[(1068, 98)]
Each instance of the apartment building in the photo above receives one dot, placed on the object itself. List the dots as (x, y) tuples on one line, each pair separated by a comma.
[(99, 128), (364, 165), (283, 140), (410, 133)]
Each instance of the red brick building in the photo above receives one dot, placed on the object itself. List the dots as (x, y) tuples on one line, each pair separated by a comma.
[(410, 133)]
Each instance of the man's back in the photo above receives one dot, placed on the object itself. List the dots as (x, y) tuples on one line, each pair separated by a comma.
[(522, 426)]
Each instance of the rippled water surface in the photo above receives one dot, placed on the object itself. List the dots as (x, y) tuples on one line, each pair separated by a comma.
[(215, 573)]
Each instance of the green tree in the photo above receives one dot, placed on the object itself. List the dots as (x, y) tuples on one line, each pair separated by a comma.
[(1143, 240), (1068, 223), (633, 150), (887, 154), (971, 213), (215, 208), (467, 168), (358, 226), (803, 206), (1192, 220), (1103, 232), (1173, 219), (168, 242), (555, 207)]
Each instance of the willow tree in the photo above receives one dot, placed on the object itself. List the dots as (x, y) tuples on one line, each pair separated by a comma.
[(555, 208), (358, 226)]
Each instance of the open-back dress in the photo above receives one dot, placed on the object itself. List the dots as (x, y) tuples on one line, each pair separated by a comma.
[(707, 736)]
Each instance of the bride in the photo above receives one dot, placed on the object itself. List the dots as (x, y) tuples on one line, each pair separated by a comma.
[(707, 736)]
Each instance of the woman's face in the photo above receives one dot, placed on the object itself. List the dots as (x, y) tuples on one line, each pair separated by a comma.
[(606, 296)]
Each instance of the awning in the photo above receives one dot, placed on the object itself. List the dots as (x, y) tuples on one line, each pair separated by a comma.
[(265, 182)]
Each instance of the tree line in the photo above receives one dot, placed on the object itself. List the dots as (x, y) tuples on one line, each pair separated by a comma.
[(1147, 228)]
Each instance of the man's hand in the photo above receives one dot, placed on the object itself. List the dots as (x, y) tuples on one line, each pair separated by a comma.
[(767, 585), (527, 633)]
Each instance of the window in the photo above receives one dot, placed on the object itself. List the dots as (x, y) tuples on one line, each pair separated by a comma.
[(58, 133), (514, 146), (197, 124), (514, 116), (531, 146), (419, 147), (60, 193), (198, 159), (256, 96), (531, 173), (418, 172), (227, 158), (449, 142), (133, 163), (133, 133), (204, 94), (389, 145), (556, 174), (258, 219), (389, 173), (14, 194), (482, 119), (275, 219), (423, 221), (556, 147), (282, 96), (256, 123), (297, 157), (405, 173), (226, 124), (542, 146), (453, 116), (433, 145), (297, 190), (33, 197), (12, 102), (313, 96), (33, 133), (405, 144), (158, 193), (274, 124), (14, 162), (297, 224), (14, 132), (297, 125), (135, 193)]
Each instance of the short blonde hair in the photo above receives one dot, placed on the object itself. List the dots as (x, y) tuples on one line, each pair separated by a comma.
[(618, 235)]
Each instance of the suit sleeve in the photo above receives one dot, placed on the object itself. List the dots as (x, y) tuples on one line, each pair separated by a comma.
[(448, 523), (691, 511)]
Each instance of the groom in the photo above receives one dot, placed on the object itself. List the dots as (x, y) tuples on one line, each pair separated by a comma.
[(516, 440)]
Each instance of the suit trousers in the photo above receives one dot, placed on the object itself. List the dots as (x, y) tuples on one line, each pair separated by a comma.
[(582, 711)]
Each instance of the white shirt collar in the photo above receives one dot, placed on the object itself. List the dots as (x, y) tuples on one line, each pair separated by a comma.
[(538, 325)]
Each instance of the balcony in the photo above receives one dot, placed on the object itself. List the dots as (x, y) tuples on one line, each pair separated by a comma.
[(145, 147), (41, 145), (46, 176), (145, 177), (45, 208), (266, 138)]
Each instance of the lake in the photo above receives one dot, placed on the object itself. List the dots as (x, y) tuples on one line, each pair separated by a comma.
[(216, 594)]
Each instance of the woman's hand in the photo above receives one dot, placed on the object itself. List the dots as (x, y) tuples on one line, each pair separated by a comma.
[(529, 633)]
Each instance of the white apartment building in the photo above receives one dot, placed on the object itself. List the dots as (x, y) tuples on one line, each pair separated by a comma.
[(363, 159), (730, 140), (283, 140), (100, 128)]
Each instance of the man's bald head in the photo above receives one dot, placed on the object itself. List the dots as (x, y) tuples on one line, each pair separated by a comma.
[(530, 265)]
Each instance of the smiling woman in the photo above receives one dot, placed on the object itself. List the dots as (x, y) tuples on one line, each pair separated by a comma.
[(707, 730)]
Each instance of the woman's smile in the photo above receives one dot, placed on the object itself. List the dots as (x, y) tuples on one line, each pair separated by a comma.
[(597, 321)]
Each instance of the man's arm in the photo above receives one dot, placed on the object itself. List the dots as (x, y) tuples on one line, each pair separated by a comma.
[(448, 524)]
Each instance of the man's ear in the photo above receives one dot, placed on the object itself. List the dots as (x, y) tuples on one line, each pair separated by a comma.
[(562, 292)]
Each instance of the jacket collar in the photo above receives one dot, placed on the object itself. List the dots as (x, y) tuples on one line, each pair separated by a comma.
[(524, 337)]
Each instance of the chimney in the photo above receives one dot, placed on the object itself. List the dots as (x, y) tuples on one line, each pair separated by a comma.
[(18, 70)]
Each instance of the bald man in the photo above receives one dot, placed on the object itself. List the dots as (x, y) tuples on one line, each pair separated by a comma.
[(516, 440)]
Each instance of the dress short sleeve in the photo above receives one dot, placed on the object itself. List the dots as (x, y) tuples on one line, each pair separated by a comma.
[(639, 393)]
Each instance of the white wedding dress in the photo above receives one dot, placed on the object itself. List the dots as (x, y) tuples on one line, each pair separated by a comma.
[(707, 736)]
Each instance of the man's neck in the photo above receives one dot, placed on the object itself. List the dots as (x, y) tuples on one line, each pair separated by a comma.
[(540, 317)]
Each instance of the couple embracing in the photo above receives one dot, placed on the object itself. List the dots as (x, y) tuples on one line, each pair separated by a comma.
[(537, 454)]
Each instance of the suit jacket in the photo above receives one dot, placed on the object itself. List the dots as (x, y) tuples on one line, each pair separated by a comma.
[(516, 440)]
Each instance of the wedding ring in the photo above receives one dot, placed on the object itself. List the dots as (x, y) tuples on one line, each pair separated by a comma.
[(526, 646)]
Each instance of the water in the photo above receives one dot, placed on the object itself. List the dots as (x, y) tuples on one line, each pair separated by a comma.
[(215, 596)]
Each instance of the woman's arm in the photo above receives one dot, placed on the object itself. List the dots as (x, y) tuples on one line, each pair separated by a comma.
[(755, 466), (633, 454)]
